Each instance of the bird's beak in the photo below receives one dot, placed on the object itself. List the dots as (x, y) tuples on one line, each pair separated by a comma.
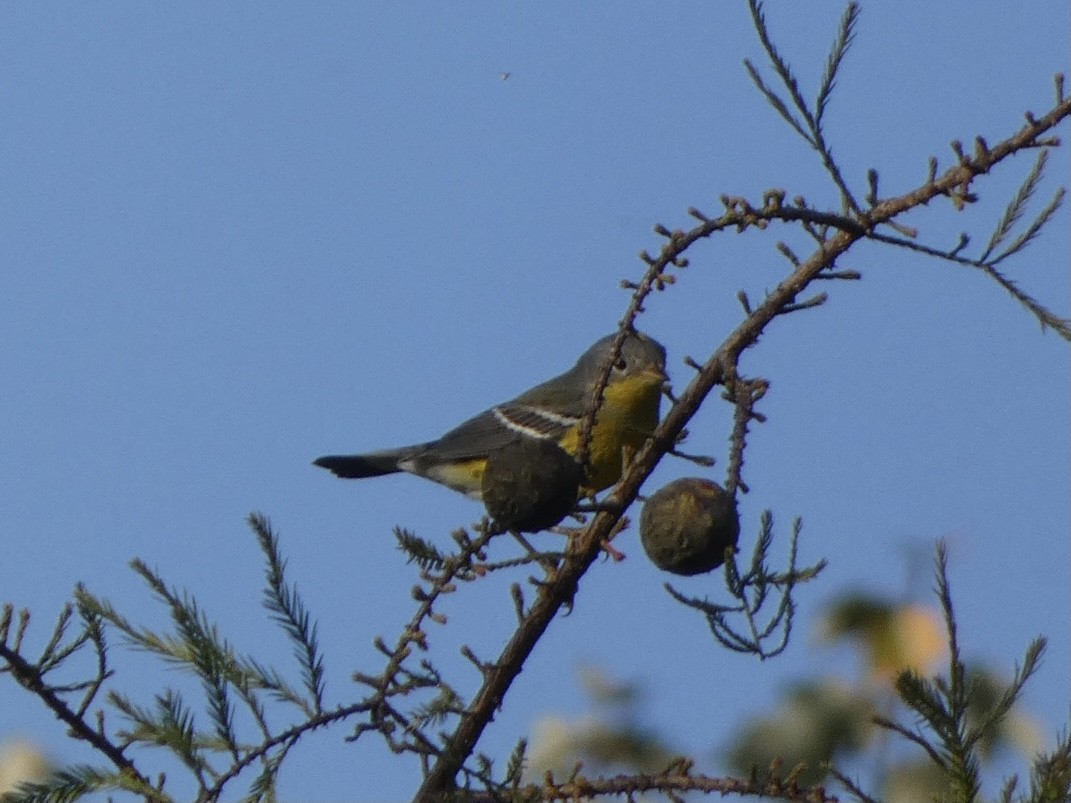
[(657, 373)]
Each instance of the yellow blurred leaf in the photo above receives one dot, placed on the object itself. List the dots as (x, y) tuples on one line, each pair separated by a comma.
[(20, 761)]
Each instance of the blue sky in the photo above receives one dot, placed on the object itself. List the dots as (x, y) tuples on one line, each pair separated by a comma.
[(237, 236)]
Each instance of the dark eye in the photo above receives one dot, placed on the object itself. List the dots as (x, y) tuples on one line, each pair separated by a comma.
[(621, 364)]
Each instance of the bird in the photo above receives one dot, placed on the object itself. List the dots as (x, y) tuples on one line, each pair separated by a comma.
[(552, 411)]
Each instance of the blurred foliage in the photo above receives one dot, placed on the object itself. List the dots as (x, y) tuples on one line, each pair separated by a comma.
[(20, 761), (816, 721), (891, 636), (612, 738)]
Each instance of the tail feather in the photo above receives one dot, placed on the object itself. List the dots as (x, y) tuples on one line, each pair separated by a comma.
[(357, 466)]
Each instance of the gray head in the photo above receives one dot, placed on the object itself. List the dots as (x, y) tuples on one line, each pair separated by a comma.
[(639, 354)]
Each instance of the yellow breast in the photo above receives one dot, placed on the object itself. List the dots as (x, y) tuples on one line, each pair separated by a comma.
[(627, 417)]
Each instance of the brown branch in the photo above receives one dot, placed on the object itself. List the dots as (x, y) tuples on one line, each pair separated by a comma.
[(286, 737), (562, 585), (671, 783), (743, 394), (31, 678), (676, 779), (629, 785)]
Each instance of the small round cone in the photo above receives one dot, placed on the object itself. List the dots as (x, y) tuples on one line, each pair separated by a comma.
[(686, 526)]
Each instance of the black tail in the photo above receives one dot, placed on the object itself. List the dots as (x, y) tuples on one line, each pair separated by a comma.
[(356, 466)]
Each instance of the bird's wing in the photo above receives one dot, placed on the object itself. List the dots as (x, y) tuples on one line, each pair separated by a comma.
[(495, 428)]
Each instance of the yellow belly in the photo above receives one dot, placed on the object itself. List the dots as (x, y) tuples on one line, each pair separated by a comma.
[(464, 476)]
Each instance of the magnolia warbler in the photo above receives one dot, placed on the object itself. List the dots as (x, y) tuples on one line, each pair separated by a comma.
[(551, 411)]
